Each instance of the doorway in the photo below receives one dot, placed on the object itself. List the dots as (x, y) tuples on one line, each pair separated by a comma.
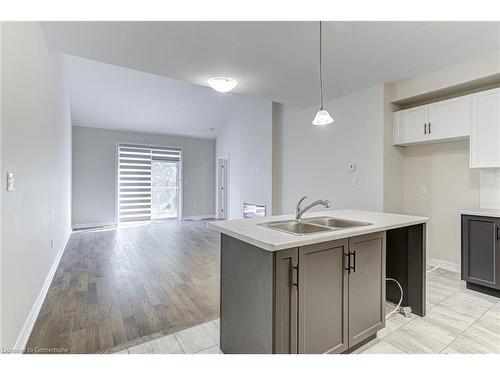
[(223, 187)]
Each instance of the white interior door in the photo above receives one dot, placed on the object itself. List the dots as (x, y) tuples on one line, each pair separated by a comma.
[(222, 188)]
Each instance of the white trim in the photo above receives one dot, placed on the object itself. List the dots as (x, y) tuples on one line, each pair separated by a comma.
[(25, 333), (93, 225), (227, 187), (200, 217), (444, 264)]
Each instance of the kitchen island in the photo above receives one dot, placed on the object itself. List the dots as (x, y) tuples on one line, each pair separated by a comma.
[(321, 292)]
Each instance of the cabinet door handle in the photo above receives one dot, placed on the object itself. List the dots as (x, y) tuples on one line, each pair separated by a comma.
[(347, 256), (294, 270), (353, 267), (425, 128), (498, 233), (429, 128)]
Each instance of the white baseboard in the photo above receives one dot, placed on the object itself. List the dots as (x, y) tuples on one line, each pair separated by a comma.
[(444, 264), (92, 225), (198, 217), (24, 335)]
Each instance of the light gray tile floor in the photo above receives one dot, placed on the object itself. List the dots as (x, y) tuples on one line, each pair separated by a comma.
[(458, 320)]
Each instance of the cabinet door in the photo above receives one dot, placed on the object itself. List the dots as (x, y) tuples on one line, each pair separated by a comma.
[(449, 118), (285, 324), (485, 130), (366, 286), (480, 242), (323, 298), (410, 125)]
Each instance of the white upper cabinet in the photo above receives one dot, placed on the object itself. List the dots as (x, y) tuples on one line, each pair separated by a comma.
[(485, 130), (410, 125), (449, 119), (440, 121)]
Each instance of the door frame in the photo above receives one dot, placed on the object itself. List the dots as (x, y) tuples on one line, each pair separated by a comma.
[(180, 177), (227, 187)]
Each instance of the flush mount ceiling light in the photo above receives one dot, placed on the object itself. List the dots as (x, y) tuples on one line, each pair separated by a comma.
[(222, 84), (322, 117)]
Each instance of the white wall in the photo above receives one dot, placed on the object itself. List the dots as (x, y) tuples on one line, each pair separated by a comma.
[(36, 145), (0, 185), (94, 173), (315, 160), (393, 159), (477, 68), (489, 188), (247, 139), (443, 168)]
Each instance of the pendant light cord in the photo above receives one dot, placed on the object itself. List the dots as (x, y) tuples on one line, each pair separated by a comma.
[(320, 68)]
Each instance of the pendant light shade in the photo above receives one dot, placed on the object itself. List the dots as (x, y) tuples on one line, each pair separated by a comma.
[(322, 117)]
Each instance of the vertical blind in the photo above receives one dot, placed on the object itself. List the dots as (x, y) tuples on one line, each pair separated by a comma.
[(134, 178)]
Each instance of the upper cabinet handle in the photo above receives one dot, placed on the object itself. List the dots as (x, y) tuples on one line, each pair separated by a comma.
[(425, 128)]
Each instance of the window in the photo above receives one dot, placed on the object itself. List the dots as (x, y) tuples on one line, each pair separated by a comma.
[(148, 182)]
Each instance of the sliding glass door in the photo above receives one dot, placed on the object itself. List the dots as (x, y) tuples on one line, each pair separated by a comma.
[(164, 189), (148, 182)]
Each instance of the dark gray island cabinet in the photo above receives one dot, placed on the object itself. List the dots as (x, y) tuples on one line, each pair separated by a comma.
[(321, 296), (329, 296), (481, 251)]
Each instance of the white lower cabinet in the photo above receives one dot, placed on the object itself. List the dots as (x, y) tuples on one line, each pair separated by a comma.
[(485, 130)]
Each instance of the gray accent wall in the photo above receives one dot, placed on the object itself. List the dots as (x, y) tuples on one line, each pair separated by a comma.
[(36, 145), (94, 173)]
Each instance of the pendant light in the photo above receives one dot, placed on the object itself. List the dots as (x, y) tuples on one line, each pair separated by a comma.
[(322, 117)]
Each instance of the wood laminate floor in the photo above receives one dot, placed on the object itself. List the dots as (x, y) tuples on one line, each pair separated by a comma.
[(116, 287)]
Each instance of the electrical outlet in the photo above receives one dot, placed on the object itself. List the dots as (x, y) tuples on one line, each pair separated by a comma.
[(422, 189), (355, 181), (10, 181), (352, 167)]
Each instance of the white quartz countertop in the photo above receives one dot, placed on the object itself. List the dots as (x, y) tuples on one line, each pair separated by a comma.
[(491, 212), (248, 231)]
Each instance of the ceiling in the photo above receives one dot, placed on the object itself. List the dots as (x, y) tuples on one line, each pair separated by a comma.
[(113, 97), (278, 60)]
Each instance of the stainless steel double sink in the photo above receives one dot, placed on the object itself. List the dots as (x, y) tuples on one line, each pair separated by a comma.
[(313, 225)]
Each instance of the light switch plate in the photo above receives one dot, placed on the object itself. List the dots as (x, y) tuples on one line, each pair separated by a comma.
[(423, 189), (10, 181)]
